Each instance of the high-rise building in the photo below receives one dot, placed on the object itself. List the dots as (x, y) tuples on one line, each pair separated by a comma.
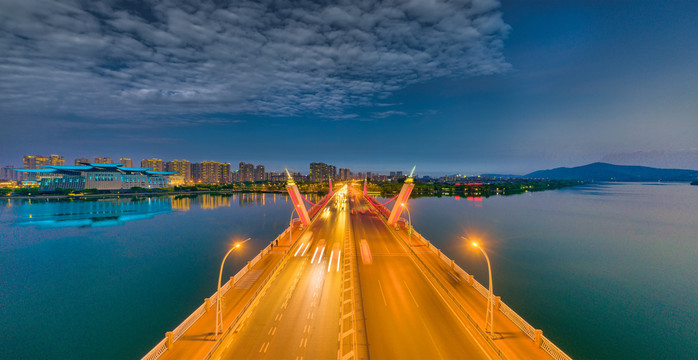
[(31, 161), (56, 160), (181, 167), (196, 172), (211, 172), (246, 172), (103, 160), (344, 174), (259, 173), (81, 161), (128, 163), (153, 164), (8, 173), (225, 176), (322, 172)]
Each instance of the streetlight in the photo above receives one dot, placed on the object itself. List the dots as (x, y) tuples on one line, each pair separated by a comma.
[(409, 225), (290, 226), (489, 316), (219, 315)]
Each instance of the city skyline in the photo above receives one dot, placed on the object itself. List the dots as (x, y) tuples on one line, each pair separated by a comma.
[(473, 86)]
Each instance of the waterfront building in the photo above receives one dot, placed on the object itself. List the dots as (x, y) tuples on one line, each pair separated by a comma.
[(126, 162), (322, 172), (153, 164), (33, 161), (103, 160), (211, 172), (259, 173), (96, 176), (56, 160), (80, 161), (181, 167), (8, 173), (246, 172)]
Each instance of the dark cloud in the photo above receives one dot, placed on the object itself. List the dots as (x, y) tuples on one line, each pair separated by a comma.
[(133, 59)]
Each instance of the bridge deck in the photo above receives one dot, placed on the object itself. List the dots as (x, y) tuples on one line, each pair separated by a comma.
[(412, 303)]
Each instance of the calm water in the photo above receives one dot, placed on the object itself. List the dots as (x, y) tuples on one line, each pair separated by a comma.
[(607, 271)]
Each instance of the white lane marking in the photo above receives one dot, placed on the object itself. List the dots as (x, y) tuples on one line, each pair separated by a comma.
[(410, 291), (339, 257), (299, 249), (272, 331), (306, 249), (382, 293), (264, 347), (319, 260), (315, 253), (330, 264)]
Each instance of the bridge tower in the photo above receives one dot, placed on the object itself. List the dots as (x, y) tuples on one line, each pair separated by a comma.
[(401, 199), (297, 200), (366, 187), (331, 188)]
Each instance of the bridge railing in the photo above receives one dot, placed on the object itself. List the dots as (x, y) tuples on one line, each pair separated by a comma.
[(536, 335), (543, 342), (176, 334)]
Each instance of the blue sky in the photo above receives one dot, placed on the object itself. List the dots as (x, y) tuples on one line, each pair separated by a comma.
[(451, 86)]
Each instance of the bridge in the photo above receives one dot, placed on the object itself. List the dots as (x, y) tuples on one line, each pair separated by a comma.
[(351, 279)]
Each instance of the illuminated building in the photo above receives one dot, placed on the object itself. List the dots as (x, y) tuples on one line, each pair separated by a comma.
[(181, 167), (211, 172), (32, 161), (103, 160), (97, 176), (126, 162), (259, 173), (154, 164), (344, 174), (80, 161), (56, 160), (246, 172), (321, 172)]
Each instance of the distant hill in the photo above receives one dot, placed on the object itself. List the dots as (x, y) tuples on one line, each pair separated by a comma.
[(608, 172)]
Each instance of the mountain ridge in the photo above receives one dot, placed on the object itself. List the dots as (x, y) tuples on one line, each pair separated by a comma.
[(600, 171)]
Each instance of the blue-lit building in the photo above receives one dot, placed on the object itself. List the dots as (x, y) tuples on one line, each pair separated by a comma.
[(97, 176)]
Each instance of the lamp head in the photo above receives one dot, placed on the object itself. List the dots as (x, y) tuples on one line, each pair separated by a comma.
[(475, 244)]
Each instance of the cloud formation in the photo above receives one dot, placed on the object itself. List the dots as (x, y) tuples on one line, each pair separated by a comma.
[(135, 59)]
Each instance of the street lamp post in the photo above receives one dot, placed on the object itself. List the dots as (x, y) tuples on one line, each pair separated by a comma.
[(290, 227), (219, 314), (489, 315), (409, 223)]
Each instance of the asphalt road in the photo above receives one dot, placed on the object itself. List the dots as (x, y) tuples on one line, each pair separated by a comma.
[(406, 318), (298, 317)]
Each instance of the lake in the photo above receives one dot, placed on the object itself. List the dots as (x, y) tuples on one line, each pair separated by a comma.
[(606, 270)]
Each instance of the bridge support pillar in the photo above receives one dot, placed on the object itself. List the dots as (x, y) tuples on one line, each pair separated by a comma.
[(538, 337), (471, 279), (170, 339), (401, 199), (453, 264), (249, 265), (497, 301), (207, 303)]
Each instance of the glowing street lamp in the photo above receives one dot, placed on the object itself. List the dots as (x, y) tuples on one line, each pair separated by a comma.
[(489, 315), (409, 225), (219, 314)]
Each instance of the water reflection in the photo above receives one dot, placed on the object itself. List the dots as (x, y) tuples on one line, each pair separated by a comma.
[(93, 213), (58, 213)]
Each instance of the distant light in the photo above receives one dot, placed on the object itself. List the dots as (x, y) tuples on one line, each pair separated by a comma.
[(475, 244)]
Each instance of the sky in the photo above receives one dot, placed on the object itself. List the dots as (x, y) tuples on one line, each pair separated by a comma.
[(467, 86)]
